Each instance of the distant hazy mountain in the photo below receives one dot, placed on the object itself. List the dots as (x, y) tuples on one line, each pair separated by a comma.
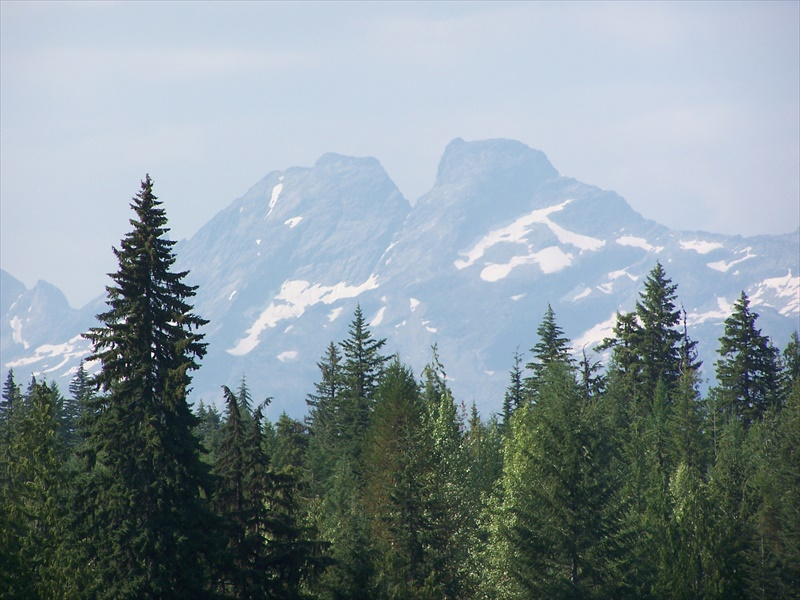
[(471, 268)]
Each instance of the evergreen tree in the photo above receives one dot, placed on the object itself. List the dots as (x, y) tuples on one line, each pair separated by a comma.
[(339, 415), (593, 380), (484, 445), (31, 507), (688, 425), (361, 370), (270, 553), (780, 520), (452, 491), (290, 445), (209, 431), (552, 347), (690, 363), (791, 361), (326, 423), (648, 345), (345, 524), (245, 400), (329, 388), (626, 361), (258, 488), (81, 394), (731, 528), (146, 519), (11, 401), (12, 395), (686, 572), (556, 531), (515, 392), (653, 514), (295, 557), (396, 486), (748, 371), (660, 340), (229, 497)]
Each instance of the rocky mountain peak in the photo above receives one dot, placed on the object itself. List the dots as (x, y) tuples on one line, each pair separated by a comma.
[(464, 162), (471, 267)]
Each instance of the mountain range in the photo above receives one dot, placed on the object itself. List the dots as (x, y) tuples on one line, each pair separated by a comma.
[(470, 267)]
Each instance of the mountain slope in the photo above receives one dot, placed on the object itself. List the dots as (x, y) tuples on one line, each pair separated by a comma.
[(471, 268)]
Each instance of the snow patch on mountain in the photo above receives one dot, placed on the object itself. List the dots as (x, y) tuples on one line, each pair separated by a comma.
[(334, 314), (606, 288), (276, 192), (637, 242), (16, 332), (287, 355), (378, 318), (724, 267), (297, 296), (293, 222), (700, 246), (594, 335), (587, 291), (428, 328), (75, 348), (582, 242), (725, 310), (517, 233), (550, 260), (413, 303), (779, 287), (621, 273)]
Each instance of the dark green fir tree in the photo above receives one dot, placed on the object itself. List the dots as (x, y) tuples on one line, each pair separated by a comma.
[(515, 393), (362, 368), (325, 421), (552, 347), (146, 522), (748, 370)]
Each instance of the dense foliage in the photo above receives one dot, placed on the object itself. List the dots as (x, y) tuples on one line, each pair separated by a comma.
[(595, 481)]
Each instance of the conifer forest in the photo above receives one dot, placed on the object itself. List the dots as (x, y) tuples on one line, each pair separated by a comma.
[(615, 480)]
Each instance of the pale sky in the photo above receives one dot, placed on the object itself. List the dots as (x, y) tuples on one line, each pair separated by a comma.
[(689, 110)]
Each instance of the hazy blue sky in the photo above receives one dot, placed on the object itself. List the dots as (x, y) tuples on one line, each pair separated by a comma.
[(691, 111)]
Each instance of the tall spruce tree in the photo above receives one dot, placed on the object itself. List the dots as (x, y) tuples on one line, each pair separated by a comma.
[(515, 393), (648, 345), (361, 371), (552, 347), (593, 380), (791, 361), (396, 492), (453, 487), (31, 512), (81, 392), (208, 430), (229, 498), (11, 401), (290, 444), (146, 520), (748, 371), (325, 421), (12, 395), (555, 534), (345, 525), (660, 339)]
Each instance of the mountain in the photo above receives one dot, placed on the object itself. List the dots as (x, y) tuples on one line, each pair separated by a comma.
[(470, 267)]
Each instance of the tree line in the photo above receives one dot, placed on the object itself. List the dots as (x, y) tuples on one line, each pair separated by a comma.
[(594, 481)]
